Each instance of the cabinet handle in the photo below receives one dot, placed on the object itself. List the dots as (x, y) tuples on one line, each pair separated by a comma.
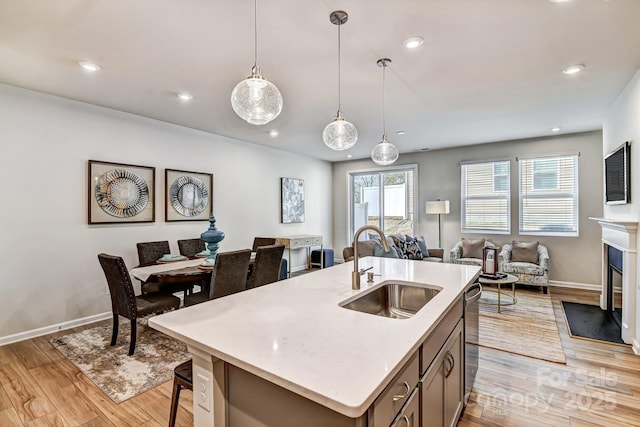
[(397, 397), (406, 420), (451, 360)]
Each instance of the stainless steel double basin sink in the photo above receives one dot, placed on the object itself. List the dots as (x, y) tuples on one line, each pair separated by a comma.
[(392, 299)]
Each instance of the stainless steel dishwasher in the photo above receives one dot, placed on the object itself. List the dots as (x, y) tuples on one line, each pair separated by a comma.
[(471, 323)]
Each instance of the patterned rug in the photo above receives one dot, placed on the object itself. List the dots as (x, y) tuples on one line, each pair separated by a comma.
[(118, 375), (527, 328)]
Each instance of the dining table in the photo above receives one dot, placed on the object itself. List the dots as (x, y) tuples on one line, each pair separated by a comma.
[(187, 271)]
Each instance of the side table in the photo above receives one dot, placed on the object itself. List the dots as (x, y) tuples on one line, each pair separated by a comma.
[(510, 279)]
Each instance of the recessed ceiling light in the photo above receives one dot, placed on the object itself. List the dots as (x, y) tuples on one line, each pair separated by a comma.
[(401, 132), (349, 156), (89, 66), (560, 1), (413, 42), (273, 133), (425, 149), (184, 96), (573, 69), (556, 129)]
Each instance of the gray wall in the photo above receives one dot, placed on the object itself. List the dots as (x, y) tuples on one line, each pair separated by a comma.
[(573, 259)]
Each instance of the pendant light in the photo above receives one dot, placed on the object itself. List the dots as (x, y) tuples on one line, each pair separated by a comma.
[(339, 134), (255, 99), (384, 153)]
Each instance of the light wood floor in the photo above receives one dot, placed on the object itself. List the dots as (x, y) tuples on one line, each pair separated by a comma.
[(599, 386)]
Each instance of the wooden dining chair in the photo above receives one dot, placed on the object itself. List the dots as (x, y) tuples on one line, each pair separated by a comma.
[(228, 277), (266, 268), (191, 247), (125, 303), (262, 241)]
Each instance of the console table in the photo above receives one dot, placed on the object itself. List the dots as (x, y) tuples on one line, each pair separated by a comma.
[(298, 242)]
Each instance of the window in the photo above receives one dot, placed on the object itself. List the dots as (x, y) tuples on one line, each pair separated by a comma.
[(485, 197), (384, 198), (549, 195)]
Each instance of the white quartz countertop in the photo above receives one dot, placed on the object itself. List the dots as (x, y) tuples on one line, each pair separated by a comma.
[(293, 333)]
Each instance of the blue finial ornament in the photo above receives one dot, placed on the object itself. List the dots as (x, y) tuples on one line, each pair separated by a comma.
[(212, 237)]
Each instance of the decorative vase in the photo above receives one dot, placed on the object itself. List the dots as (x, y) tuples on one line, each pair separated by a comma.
[(212, 237)]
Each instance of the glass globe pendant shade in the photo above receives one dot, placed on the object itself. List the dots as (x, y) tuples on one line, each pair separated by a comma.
[(384, 153), (340, 134), (256, 100)]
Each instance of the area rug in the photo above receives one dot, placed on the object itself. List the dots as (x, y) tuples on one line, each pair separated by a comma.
[(118, 375), (527, 328), (591, 322)]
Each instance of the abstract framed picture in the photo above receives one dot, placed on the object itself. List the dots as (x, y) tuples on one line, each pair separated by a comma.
[(187, 196), (120, 193), (292, 200)]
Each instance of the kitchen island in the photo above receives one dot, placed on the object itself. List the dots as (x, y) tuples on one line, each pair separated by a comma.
[(291, 341)]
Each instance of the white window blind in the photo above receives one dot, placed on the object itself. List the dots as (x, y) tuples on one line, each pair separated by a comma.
[(485, 197), (549, 195)]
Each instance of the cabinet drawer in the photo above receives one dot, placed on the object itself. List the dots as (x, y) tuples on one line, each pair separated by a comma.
[(395, 394), (410, 414), (439, 335), (316, 240)]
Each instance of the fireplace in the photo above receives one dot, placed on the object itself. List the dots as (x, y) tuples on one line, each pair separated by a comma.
[(614, 283), (619, 265)]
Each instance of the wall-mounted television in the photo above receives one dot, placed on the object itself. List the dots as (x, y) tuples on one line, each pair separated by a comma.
[(617, 175)]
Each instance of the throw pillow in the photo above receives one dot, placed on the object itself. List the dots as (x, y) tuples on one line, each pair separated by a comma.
[(423, 245), (524, 252), (378, 250), (472, 248), (411, 249)]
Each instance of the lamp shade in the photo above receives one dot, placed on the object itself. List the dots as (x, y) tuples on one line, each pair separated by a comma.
[(437, 207), (340, 134), (256, 100)]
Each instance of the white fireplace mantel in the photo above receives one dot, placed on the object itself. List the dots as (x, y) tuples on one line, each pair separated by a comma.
[(622, 235)]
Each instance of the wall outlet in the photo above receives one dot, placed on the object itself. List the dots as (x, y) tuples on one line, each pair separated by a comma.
[(202, 392)]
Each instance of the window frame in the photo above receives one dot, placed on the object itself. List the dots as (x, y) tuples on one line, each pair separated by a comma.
[(549, 193), (381, 170), (464, 197)]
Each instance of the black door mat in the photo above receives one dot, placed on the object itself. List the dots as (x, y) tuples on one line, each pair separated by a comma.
[(590, 321)]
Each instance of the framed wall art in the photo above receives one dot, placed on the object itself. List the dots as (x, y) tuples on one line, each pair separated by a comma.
[(120, 193), (292, 200), (188, 195)]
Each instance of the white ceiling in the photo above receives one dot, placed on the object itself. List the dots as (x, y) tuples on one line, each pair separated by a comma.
[(489, 70)]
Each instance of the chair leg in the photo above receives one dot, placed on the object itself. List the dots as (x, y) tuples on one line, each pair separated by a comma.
[(545, 290), (175, 398), (132, 343), (114, 334)]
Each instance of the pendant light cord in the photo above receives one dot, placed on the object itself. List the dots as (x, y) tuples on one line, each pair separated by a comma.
[(339, 88), (384, 123), (255, 31)]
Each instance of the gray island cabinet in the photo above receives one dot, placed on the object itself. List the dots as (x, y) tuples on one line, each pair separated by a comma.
[(289, 353)]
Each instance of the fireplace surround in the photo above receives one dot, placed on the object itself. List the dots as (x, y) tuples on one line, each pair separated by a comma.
[(621, 235)]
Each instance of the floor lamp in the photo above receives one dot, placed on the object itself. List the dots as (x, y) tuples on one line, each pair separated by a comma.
[(438, 207)]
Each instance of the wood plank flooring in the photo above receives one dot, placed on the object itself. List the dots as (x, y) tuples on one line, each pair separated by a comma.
[(599, 386)]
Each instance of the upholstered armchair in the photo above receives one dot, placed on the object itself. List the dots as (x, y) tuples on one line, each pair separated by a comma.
[(528, 261), (469, 252)]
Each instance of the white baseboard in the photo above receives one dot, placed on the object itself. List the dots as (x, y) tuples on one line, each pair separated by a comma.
[(575, 285), (54, 328)]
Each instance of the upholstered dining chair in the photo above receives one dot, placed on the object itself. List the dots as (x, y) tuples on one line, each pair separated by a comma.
[(228, 277), (266, 268), (125, 303), (148, 254), (191, 247), (262, 241)]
